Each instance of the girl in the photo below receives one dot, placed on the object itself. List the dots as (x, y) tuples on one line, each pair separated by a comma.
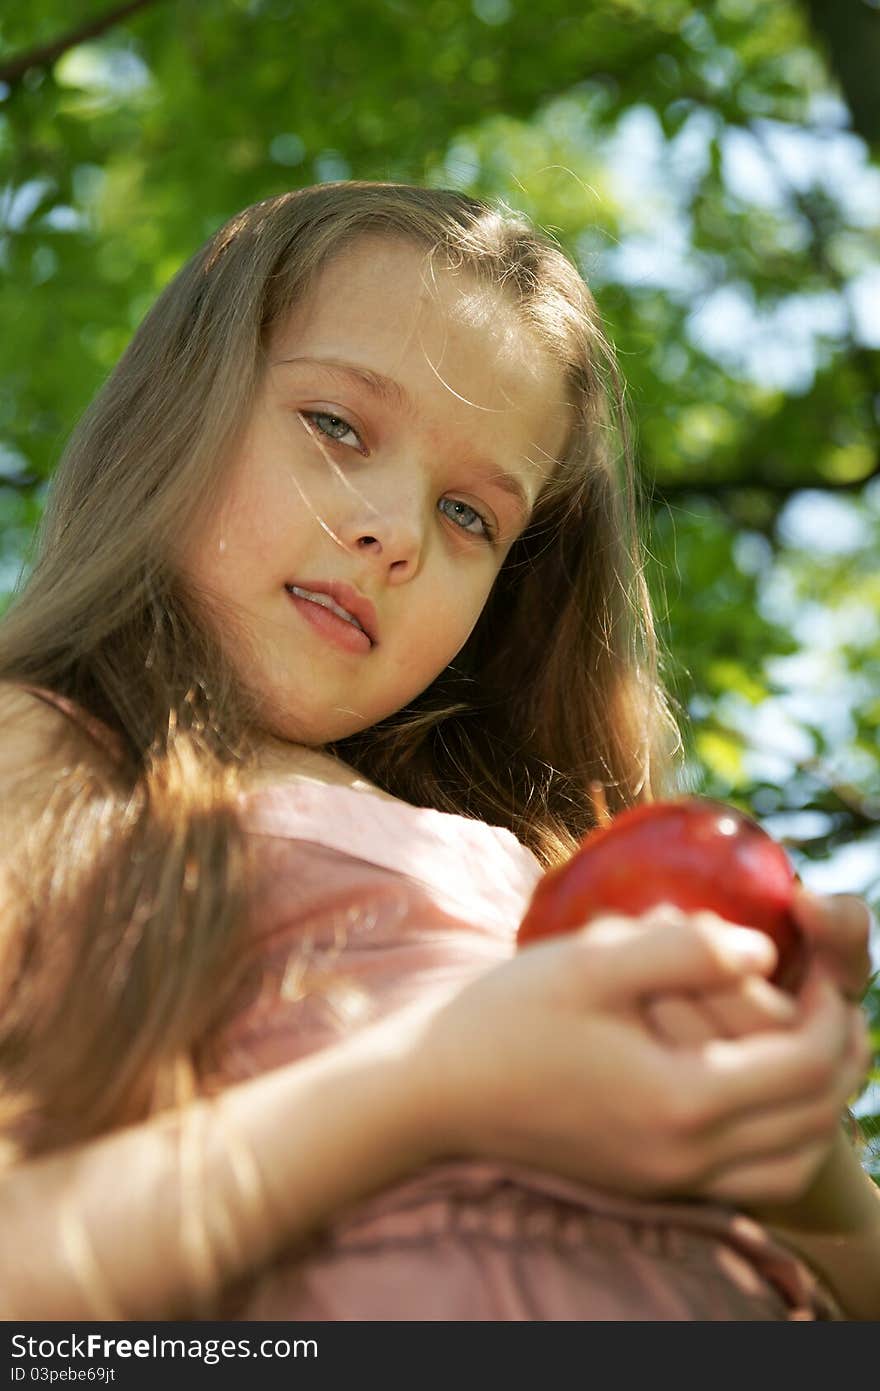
[(336, 614)]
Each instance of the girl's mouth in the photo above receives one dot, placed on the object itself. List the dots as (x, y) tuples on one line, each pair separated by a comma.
[(326, 602), (330, 620)]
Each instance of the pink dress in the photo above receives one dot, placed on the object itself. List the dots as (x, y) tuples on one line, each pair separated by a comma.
[(371, 904)]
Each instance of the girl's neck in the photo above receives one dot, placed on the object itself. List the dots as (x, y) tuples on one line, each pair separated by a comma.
[(277, 761)]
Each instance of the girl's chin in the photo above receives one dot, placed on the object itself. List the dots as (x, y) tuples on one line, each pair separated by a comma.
[(316, 728), (282, 733)]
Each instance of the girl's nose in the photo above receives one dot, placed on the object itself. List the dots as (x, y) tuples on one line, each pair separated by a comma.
[(390, 540)]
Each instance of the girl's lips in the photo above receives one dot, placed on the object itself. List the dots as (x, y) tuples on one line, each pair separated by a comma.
[(338, 631), (346, 597)]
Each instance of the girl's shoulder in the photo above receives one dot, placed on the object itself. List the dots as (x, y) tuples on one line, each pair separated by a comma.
[(460, 858), (306, 767), (42, 740), (43, 728)]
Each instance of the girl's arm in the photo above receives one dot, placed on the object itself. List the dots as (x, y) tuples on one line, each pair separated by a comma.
[(835, 1222), (545, 1060), (836, 1228), (154, 1220)]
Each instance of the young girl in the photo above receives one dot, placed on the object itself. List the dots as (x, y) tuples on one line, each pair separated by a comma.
[(337, 612)]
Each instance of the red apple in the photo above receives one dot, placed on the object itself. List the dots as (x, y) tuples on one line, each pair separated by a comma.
[(692, 852)]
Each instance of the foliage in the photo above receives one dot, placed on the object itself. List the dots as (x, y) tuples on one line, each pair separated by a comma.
[(701, 164)]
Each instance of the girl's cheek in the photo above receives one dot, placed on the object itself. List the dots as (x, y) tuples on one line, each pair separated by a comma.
[(461, 620)]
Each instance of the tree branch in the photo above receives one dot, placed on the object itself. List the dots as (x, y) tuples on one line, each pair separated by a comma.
[(850, 32), (660, 492), (860, 806), (13, 70)]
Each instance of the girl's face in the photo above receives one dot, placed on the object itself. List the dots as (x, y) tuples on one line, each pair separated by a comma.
[(402, 431)]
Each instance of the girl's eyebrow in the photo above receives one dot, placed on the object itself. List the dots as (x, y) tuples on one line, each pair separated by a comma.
[(382, 387), (392, 393)]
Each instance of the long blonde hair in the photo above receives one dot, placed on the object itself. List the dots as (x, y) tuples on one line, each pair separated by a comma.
[(134, 886)]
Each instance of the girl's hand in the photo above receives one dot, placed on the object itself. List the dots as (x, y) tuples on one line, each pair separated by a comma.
[(837, 928), (550, 1060), (837, 931)]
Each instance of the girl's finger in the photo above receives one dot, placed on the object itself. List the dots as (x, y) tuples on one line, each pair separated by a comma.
[(838, 927), (745, 1007), (765, 1156), (748, 1007), (776, 1067), (669, 952), (780, 1130), (679, 1021)]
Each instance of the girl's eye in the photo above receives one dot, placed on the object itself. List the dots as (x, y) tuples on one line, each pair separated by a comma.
[(464, 516), (333, 426)]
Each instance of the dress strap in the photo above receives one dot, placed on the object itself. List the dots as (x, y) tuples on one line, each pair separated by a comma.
[(99, 732)]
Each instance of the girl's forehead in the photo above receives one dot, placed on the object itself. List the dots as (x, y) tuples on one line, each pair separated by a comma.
[(452, 353), (393, 301)]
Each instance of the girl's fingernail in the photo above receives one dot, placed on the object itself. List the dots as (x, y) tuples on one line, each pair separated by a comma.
[(749, 945)]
